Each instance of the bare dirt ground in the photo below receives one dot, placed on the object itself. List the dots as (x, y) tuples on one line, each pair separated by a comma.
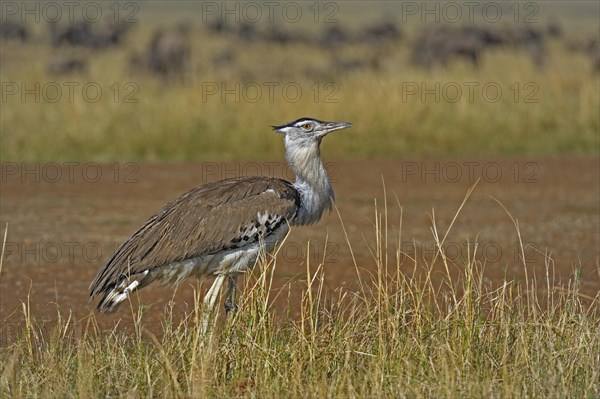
[(64, 220)]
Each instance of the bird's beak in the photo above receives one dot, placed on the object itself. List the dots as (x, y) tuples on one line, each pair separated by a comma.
[(331, 126)]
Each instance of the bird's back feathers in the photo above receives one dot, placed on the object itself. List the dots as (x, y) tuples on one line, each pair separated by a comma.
[(214, 217)]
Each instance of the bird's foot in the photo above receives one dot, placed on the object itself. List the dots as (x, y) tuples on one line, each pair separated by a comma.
[(230, 306)]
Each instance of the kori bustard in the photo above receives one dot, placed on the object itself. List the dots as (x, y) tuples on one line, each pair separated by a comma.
[(220, 228)]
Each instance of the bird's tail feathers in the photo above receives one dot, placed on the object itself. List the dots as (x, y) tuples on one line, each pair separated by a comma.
[(115, 294)]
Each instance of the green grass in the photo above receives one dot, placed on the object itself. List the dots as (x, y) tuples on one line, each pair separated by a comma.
[(396, 335)]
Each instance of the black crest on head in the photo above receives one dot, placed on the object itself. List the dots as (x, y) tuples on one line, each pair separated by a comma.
[(292, 123)]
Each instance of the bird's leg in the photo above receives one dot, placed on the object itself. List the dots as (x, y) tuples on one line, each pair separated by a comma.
[(230, 299), (209, 300), (213, 292)]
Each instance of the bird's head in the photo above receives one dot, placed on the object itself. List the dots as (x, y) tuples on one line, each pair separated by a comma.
[(308, 130)]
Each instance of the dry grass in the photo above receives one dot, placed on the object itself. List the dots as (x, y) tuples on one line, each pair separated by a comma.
[(552, 110), (397, 335)]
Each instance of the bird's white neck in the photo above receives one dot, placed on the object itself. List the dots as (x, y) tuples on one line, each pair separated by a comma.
[(312, 182)]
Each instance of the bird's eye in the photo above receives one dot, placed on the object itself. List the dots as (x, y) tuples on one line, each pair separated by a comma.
[(306, 126)]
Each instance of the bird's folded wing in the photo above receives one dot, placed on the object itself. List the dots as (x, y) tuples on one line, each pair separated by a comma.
[(208, 219)]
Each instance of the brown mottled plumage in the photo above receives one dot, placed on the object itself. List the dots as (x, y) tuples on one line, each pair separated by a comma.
[(203, 221)]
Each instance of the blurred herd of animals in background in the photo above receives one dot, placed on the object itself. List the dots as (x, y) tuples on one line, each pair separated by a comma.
[(168, 52)]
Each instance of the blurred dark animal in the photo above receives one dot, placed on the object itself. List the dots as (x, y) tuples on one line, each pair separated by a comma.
[(590, 47), (77, 33), (272, 34), (217, 26), (334, 36), (168, 54), (66, 65), (583, 46), (378, 33), (385, 31), (438, 44), (82, 34), (596, 62), (275, 34), (554, 29), (250, 32), (525, 38), (13, 30), (247, 32)]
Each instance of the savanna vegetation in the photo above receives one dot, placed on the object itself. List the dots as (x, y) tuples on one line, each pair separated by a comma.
[(397, 332), (234, 86), (397, 335)]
